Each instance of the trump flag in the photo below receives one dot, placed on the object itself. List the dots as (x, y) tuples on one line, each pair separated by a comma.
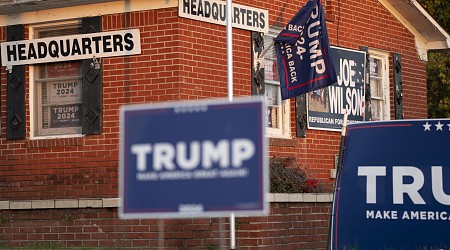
[(302, 50)]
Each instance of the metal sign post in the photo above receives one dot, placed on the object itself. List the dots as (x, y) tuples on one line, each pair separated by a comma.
[(230, 95), (229, 51)]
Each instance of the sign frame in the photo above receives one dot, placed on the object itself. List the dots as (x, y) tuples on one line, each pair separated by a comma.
[(180, 202)]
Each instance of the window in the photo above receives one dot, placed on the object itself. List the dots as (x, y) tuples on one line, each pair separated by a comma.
[(379, 86), (56, 104), (277, 110)]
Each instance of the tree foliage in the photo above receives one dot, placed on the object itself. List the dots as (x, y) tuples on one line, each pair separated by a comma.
[(438, 84), (438, 67)]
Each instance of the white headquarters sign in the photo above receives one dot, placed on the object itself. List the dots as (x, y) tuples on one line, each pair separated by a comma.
[(73, 47), (214, 11)]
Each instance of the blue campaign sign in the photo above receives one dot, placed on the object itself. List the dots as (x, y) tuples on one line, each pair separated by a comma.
[(193, 159), (393, 191), (327, 106)]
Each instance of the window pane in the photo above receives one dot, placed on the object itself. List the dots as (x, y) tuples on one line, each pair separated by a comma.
[(376, 108), (272, 94), (62, 69), (270, 69), (270, 61), (376, 88), (375, 67), (272, 117), (60, 30), (379, 86)]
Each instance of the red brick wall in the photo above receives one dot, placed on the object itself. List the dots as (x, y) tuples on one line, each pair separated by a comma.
[(186, 59), (289, 226)]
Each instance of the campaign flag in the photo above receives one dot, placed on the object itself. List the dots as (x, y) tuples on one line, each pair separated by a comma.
[(302, 50)]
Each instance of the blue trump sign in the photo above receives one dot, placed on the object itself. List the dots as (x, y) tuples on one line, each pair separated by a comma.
[(193, 159), (393, 191)]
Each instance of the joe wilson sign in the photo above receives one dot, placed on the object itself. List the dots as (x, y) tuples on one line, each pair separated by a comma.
[(73, 47), (327, 106)]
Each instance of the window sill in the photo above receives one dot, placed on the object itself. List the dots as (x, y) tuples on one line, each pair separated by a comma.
[(51, 142)]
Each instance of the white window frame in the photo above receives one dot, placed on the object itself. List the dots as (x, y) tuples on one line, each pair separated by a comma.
[(35, 92), (385, 91), (283, 131)]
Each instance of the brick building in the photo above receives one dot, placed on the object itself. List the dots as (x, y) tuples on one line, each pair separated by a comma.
[(60, 120)]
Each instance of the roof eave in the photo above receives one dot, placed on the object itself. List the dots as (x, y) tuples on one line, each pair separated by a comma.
[(8, 7), (429, 35)]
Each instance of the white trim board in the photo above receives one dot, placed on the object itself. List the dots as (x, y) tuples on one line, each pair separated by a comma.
[(80, 11), (114, 202)]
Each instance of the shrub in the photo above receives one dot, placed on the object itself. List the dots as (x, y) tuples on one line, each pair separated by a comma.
[(286, 176)]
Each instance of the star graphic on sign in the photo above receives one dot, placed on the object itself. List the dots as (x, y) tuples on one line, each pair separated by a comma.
[(439, 126), (427, 126), (448, 126)]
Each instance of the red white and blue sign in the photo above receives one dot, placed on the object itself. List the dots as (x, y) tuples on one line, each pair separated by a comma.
[(193, 159), (393, 190), (303, 56)]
